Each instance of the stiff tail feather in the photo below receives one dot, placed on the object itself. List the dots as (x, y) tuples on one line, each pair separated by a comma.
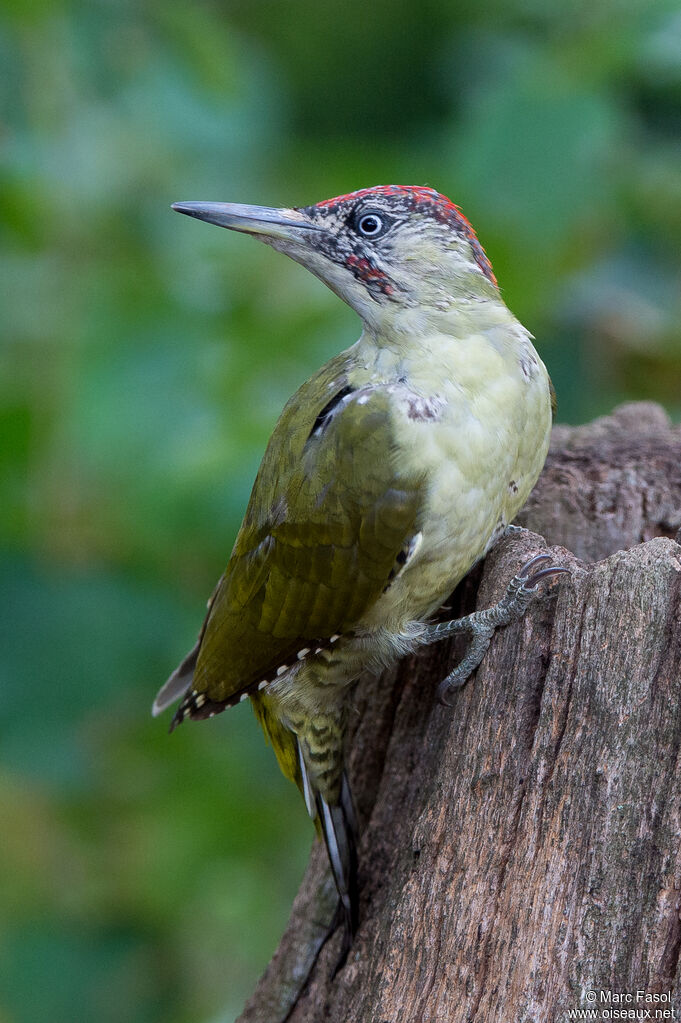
[(178, 683), (337, 822), (339, 828)]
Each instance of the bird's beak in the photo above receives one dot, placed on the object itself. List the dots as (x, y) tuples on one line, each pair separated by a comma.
[(258, 220)]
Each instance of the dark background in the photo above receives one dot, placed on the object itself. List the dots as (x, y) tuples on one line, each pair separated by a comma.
[(145, 358)]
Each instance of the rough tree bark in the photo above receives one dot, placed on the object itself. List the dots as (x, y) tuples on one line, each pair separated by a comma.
[(520, 849)]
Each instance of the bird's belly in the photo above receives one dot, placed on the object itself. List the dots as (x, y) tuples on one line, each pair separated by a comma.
[(480, 465)]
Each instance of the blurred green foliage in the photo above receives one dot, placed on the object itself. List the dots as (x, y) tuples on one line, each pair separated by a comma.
[(145, 358)]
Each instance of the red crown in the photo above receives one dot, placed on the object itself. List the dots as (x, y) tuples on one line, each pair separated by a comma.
[(426, 200)]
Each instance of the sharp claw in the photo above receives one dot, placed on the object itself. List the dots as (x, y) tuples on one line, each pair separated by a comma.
[(531, 583), (483, 624), (445, 689), (532, 563)]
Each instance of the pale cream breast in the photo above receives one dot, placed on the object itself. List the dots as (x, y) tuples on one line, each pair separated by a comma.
[(475, 415)]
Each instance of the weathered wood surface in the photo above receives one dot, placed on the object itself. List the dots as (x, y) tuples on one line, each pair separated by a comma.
[(523, 847)]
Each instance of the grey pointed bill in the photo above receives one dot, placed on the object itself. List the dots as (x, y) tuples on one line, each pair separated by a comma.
[(265, 220)]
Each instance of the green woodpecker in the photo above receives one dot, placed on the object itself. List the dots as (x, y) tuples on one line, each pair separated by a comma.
[(389, 474)]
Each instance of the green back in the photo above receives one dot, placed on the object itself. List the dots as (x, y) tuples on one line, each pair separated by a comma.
[(328, 515)]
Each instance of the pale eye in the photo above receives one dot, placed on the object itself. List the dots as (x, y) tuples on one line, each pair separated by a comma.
[(370, 224)]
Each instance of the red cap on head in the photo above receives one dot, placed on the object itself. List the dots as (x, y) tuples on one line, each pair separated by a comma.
[(426, 200)]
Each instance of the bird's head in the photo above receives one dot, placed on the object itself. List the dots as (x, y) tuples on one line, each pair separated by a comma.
[(382, 250)]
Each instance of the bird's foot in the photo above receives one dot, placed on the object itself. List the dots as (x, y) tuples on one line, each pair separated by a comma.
[(482, 625)]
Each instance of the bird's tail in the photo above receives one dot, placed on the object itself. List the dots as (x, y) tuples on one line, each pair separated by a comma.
[(335, 821), (339, 827)]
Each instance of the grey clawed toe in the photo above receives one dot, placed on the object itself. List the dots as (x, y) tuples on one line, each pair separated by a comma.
[(482, 625)]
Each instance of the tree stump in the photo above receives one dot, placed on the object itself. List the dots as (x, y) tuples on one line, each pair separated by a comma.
[(520, 856)]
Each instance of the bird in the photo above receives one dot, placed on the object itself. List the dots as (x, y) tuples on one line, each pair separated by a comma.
[(390, 473)]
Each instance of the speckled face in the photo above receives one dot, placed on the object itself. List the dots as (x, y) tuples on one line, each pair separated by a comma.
[(391, 252), (384, 235)]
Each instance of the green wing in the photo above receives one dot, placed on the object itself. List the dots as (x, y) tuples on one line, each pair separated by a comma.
[(329, 513)]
